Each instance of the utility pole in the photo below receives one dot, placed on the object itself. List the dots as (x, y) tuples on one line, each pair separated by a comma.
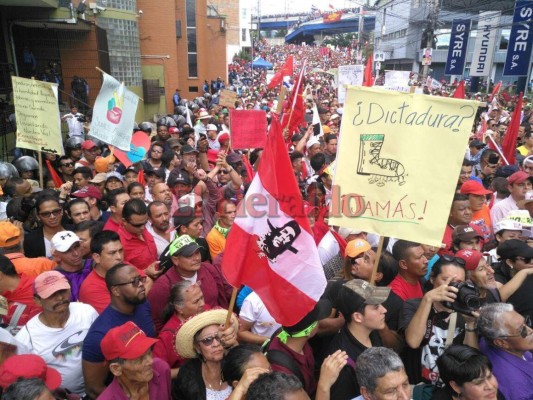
[(432, 25)]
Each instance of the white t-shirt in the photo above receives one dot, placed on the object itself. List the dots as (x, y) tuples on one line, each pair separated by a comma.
[(253, 310), (160, 242), (61, 347)]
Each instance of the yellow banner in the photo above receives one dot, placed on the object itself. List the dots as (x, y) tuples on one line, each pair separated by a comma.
[(37, 115), (398, 162)]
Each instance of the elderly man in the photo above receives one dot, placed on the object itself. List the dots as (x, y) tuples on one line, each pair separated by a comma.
[(128, 351), (66, 250), (507, 340), (380, 372), (57, 333), (185, 255)]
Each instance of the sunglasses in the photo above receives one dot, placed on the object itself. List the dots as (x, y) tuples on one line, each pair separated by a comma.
[(453, 259), (70, 164), (136, 225), (53, 213), (526, 260), (524, 333), (208, 341), (135, 282), (223, 171)]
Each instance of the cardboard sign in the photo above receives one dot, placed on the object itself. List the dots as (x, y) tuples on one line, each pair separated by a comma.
[(227, 98), (382, 181), (37, 115), (139, 146), (248, 129)]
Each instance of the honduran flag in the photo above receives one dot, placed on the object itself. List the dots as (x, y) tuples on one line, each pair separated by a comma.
[(270, 247)]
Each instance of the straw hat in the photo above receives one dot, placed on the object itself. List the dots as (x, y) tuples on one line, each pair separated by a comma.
[(185, 335)]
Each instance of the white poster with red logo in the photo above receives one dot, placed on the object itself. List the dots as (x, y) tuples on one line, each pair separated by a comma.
[(114, 114)]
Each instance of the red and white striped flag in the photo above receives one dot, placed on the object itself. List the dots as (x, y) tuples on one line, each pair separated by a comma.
[(270, 247)]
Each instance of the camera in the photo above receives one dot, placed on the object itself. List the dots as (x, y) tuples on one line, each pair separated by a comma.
[(467, 298), (81, 118)]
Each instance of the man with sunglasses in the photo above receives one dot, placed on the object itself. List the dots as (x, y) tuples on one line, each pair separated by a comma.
[(139, 246), (128, 303), (507, 340), (66, 168)]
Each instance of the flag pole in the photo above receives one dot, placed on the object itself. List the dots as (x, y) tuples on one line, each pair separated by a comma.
[(230, 307), (497, 148), (302, 72), (376, 261)]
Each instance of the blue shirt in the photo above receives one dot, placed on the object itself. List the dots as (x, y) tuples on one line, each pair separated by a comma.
[(111, 318)]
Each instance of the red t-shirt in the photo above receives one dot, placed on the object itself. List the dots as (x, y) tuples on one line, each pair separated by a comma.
[(406, 290), (111, 225), (137, 252), (93, 291)]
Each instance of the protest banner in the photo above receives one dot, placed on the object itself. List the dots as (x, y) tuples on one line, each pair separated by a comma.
[(397, 80), (114, 114), (227, 98), (348, 75), (487, 32), (248, 129), (408, 153), (517, 61), (37, 115)]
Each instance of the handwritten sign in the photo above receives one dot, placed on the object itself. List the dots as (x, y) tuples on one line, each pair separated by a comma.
[(398, 161), (227, 98), (114, 114), (37, 114), (397, 80), (248, 129), (140, 143), (349, 75)]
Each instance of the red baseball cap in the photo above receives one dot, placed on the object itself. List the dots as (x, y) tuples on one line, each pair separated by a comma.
[(518, 177), (87, 191), (28, 366), (126, 341), (88, 145), (471, 258), (472, 186)]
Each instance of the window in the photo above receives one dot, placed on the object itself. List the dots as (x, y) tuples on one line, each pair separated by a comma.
[(191, 38), (442, 36), (243, 38), (504, 40)]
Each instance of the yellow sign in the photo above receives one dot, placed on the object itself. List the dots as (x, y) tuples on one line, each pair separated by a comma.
[(37, 115), (398, 162), (227, 98)]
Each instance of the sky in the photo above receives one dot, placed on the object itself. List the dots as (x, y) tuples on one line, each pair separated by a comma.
[(291, 6)]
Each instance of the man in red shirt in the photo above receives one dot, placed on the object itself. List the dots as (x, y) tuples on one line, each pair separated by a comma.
[(139, 246), (116, 199), (413, 266), (107, 252), (18, 291)]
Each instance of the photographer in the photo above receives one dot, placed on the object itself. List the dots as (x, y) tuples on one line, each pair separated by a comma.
[(75, 122), (426, 321)]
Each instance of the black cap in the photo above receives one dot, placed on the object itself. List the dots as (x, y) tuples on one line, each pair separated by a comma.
[(183, 216), (157, 172), (322, 310), (476, 143), (178, 176), (514, 248), (188, 149)]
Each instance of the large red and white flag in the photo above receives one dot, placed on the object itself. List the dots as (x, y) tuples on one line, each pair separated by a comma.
[(270, 247)]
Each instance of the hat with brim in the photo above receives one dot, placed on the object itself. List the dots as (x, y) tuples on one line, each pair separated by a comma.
[(203, 115), (28, 366), (514, 248), (185, 335), (99, 178), (184, 246)]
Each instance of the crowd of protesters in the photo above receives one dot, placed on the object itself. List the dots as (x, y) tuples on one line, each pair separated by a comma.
[(111, 282)]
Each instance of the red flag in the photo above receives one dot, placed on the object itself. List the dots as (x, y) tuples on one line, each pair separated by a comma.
[(333, 17), (509, 141), (53, 174), (459, 91), (270, 246), (294, 117), (368, 72), (286, 69), (496, 90), (249, 170)]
